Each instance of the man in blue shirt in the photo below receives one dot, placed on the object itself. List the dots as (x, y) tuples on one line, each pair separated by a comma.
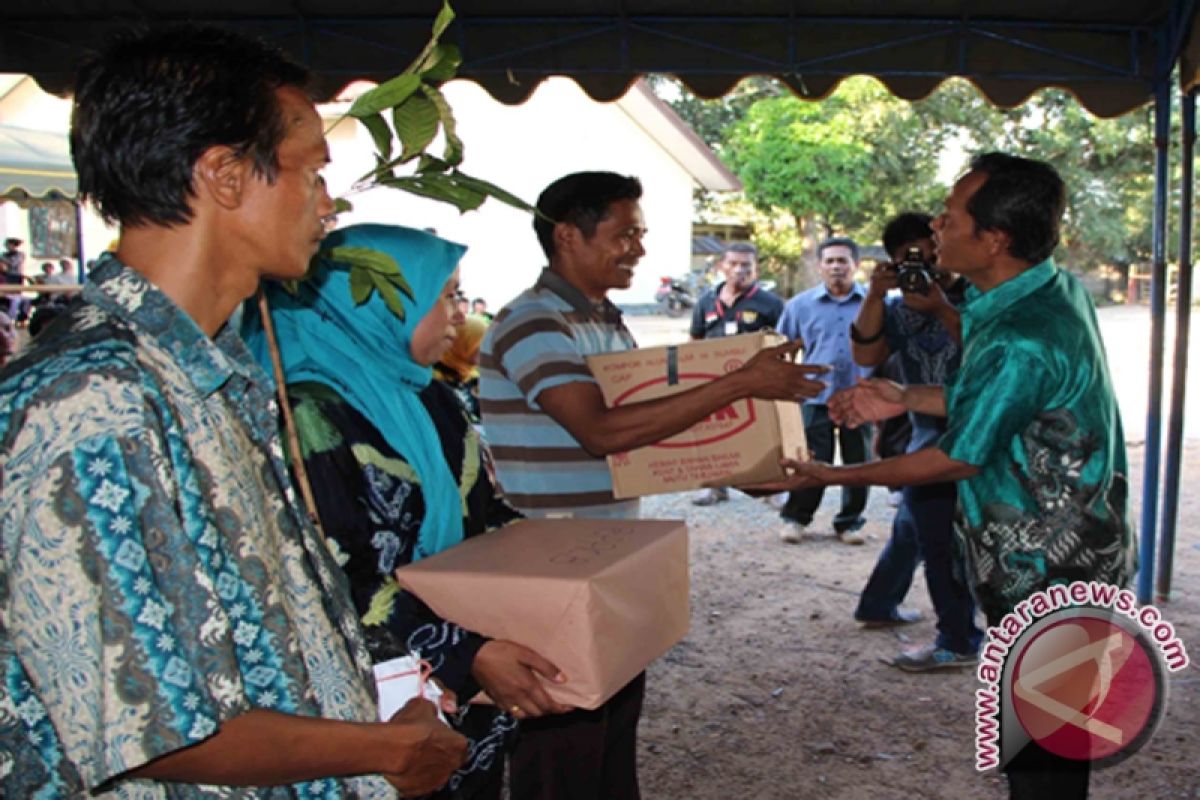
[(821, 318), (737, 305)]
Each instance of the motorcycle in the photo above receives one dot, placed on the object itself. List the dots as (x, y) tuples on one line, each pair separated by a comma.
[(673, 297)]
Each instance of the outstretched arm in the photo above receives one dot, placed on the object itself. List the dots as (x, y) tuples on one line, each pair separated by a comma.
[(875, 399), (580, 408), (929, 465), (414, 751)]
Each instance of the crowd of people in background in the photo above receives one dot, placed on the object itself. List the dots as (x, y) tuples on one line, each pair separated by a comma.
[(175, 616)]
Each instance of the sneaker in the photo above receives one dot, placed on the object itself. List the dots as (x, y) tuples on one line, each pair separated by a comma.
[(931, 658), (901, 616), (711, 497), (851, 537), (791, 533)]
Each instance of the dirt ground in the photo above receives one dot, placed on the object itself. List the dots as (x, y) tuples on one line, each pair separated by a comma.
[(777, 693)]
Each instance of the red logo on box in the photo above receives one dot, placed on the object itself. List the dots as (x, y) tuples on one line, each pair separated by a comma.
[(722, 424)]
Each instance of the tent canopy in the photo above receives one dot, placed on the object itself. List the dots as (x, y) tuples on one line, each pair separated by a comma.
[(1109, 53), (35, 164)]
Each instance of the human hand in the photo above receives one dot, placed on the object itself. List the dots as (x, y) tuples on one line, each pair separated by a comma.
[(883, 279), (508, 672), (425, 751), (871, 400), (772, 375), (931, 302), (801, 474), (448, 701)]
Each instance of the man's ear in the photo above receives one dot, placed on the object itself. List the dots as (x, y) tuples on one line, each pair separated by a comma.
[(221, 174), (996, 242), (566, 236)]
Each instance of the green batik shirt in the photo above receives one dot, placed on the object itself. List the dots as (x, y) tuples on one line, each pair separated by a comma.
[(1033, 408)]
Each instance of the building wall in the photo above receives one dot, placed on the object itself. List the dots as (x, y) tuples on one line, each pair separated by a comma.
[(523, 148), (27, 106)]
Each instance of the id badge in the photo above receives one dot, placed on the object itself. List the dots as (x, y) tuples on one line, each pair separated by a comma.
[(731, 327)]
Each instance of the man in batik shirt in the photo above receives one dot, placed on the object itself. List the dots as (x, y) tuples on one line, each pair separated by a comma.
[(1033, 433), (170, 624)]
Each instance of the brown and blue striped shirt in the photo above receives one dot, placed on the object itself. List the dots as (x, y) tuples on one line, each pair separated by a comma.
[(539, 341)]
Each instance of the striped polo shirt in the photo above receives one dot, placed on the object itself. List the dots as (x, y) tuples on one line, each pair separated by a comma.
[(539, 341)]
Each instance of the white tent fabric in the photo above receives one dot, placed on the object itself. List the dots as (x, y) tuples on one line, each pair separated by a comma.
[(35, 165)]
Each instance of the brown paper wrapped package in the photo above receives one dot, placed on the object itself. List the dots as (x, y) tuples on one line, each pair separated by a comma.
[(600, 598), (738, 445)]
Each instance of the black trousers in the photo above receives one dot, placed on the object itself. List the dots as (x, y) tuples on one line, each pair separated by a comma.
[(819, 430), (1036, 773), (581, 755)]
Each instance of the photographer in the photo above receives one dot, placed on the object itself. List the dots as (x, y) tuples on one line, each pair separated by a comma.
[(922, 327)]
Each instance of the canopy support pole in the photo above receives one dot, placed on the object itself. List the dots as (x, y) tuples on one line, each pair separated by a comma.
[(1183, 308), (1158, 289), (80, 272)]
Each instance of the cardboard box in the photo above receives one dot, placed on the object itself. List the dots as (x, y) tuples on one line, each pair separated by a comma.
[(740, 444), (600, 598)]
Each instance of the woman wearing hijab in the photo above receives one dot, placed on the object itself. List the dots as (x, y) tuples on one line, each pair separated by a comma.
[(459, 367), (395, 468)]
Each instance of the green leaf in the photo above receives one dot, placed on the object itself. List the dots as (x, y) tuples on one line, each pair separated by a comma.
[(390, 296), (400, 283), (365, 258), (429, 163), (426, 58), (361, 283), (341, 205), (454, 145), (446, 61), (381, 134), (416, 121), (439, 187), (491, 190), (444, 18), (386, 95)]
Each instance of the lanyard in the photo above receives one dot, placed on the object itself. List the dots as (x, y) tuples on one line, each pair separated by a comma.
[(746, 296)]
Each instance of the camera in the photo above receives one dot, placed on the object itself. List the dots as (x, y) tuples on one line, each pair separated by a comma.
[(914, 273)]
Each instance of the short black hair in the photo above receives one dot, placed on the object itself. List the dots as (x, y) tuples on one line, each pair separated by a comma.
[(904, 229), (583, 200), (1023, 198), (148, 107), (12, 240), (740, 247), (838, 241)]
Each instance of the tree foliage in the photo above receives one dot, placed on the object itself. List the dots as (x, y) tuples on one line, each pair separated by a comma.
[(848, 163)]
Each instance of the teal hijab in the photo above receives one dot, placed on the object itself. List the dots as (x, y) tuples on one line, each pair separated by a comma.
[(362, 353)]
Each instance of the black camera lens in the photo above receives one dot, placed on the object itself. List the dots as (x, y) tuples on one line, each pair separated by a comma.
[(914, 274)]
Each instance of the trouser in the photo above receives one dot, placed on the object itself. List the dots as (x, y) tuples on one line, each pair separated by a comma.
[(581, 755), (1036, 773), (924, 528), (819, 430)]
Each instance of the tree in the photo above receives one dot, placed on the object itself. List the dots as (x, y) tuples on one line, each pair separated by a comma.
[(849, 162)]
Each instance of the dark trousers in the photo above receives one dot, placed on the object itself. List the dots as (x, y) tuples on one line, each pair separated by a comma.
[(924, 528), (1035, 773), (581, 755), (820, 430)]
